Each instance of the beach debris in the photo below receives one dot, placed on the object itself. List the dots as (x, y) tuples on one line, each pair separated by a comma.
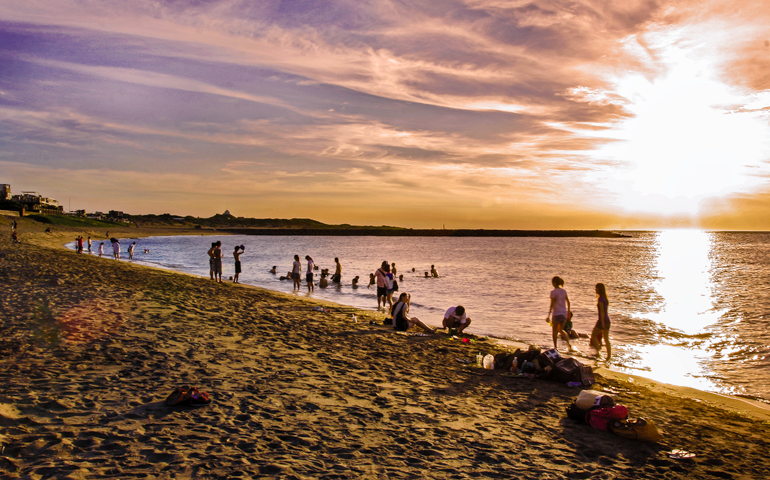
[(680, 454), (355, 319), (321, 309), (464, 361), (574, 384)]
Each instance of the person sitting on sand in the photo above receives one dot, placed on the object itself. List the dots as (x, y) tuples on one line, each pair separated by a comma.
[(560, 307), (401, 321), (455, 318), (273, 271), (355, 281), (433, 272)]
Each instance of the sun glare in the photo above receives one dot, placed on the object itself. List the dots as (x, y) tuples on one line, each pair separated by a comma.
[(686, 141)]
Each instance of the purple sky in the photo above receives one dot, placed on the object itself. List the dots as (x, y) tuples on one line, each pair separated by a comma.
[(477, 114)]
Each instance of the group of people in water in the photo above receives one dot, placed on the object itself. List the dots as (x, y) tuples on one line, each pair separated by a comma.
[(81, 243), (386, 279)]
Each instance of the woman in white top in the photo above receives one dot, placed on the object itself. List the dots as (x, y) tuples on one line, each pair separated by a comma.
[(401, 320), (560, 307)]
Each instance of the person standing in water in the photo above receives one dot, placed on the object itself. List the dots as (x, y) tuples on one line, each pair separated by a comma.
[(131, 251), (89, 244), (101, 249), (237, 256), (309, 273), (381, 275), (116, 249), (296, 268), (210, 253), (602, 327), (433, 271), (560, 307), (337, 277)]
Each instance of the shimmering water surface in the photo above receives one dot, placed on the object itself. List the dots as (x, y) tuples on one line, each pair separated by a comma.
[(688, 307)]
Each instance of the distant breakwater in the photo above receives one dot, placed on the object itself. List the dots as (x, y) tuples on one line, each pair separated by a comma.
[(407, 232)]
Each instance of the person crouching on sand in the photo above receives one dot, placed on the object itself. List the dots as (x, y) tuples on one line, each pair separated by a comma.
[(401, 320), (602, 327), (455, 318), (560, 307)]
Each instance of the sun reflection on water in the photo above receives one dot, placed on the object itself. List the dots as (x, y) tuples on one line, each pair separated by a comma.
[(684, 281)]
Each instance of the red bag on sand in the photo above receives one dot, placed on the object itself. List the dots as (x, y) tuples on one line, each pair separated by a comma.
[(600, 418)]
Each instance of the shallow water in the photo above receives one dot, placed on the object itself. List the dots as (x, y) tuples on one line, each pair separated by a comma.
[(687, 307)]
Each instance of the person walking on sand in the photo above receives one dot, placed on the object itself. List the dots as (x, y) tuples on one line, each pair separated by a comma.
[(101, 249), (309, 273), (337, 277), (239, 249), (560, 307), (401, 320), (455, 317), (602, 327), (296, 269), (381, 276), (131, 250)]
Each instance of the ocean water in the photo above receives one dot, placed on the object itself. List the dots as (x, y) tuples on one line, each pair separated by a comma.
[(688, 307)]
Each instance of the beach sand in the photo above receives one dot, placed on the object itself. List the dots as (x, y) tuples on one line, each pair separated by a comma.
[(91, 348)]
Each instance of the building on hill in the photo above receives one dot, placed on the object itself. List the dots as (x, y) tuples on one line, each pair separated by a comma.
[(5, 191), (33, 202)]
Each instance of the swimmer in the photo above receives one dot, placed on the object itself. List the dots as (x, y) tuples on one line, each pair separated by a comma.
[(371, 280), (355, 281), (401, 278), (272, 270), (433, 272), (426, 275)]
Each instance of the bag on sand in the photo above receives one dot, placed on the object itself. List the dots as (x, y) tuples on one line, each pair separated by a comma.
[(642, 429), (567, 370), (576, 413), (600, 418), (188, 396), (587, 376)]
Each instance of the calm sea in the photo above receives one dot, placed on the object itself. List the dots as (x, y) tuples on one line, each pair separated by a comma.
[(687, 307)]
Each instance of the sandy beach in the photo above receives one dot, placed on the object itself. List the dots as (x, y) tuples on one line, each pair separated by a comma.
[(92, 347)]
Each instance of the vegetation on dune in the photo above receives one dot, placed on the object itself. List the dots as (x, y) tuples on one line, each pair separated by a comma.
[(230, 221), (66, 221)]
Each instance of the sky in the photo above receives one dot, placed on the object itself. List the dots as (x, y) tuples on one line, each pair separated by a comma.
[(550, 114)]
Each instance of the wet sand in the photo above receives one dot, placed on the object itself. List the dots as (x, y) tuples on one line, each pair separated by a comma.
[(91, 347)]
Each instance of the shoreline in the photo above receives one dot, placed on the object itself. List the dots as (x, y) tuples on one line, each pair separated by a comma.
[(755, 401), (298, 392), (759, 405)]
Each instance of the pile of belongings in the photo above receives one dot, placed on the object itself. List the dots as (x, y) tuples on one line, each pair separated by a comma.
[(188, 396), (548, 365), (602, 413)]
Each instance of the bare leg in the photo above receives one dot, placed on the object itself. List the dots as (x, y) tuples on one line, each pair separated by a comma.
[(606, 335), (419, 323), (463, 326)]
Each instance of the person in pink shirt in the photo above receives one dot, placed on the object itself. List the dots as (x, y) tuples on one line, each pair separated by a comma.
[(381, 276), (560, 307)]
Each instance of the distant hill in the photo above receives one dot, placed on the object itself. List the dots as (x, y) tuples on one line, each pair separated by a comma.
[(229, 221)]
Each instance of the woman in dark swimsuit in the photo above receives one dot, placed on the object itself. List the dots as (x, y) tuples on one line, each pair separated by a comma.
[(401, 320)]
